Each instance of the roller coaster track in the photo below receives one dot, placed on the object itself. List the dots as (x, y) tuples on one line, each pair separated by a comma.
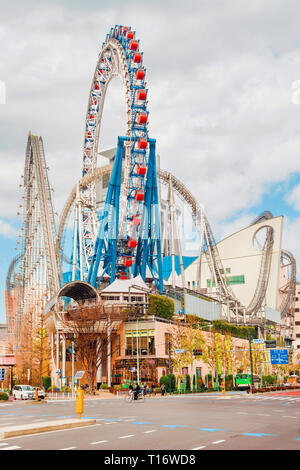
[(11, 284), (39, 269), (211, 251)]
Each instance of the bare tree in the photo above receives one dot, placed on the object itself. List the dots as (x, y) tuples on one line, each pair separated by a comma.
[(91, 327)]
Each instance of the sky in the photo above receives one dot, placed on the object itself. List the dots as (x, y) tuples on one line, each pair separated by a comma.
[(223, 83)]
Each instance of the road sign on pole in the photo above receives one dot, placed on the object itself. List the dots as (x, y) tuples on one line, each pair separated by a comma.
[(258, 341), (2, 374), (279, 356), (270, 343)]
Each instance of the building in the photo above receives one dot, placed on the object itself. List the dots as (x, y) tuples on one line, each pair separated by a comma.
[(253, 263), (297, 317)]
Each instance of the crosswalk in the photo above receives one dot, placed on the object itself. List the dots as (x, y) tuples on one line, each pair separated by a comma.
[(277, 397)]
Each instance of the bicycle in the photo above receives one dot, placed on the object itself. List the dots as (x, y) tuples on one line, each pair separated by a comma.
[(130, 397)]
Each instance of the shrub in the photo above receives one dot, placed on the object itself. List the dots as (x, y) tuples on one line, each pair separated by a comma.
[(52, 388), (46, 382), (3, 396), (103, 386), (161, 306), (165, 380), (117, 387), (187, 382)]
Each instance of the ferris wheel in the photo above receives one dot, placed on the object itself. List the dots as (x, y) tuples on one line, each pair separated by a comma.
[(125, 238)]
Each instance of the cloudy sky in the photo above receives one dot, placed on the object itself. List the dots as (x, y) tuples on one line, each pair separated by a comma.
[(224, 101)]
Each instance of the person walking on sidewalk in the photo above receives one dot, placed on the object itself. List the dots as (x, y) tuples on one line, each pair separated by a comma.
[(162, 387)]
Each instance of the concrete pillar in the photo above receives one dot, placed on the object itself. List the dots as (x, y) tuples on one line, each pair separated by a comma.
[(63, 371), (109, 353), (57, 350)]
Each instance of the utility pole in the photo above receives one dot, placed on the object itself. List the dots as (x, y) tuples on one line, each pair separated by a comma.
[(251, 365), (170, 369)]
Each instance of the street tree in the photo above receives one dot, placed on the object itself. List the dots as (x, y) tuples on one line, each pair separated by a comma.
[(91, 327)]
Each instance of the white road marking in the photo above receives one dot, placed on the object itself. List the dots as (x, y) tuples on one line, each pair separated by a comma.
[(198, 448), (218, 442), (3, 444), (97, 442), (262, 414), (241, 413), (295, 417), (69, 448), (152, 430), (125, 437)]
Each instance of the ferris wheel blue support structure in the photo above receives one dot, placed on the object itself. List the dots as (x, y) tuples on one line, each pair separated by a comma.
[(109, 250)]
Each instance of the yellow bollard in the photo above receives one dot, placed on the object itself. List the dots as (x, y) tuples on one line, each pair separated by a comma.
[(79, 401), (223, 388), (36, 394)]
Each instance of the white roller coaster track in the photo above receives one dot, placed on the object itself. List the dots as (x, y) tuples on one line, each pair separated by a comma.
[(39, 268), (212, 255)]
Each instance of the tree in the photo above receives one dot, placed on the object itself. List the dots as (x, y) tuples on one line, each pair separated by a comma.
[(91, 326), (33, 349), (186, 337), (161, 306)]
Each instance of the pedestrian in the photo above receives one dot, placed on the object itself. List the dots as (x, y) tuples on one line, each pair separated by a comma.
[(162, 387), (153, 389), (147, 389)]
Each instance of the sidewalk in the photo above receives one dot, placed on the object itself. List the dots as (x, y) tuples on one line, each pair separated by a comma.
[(34, 428)]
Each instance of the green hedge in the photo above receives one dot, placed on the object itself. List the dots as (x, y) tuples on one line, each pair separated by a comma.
[(269, 379), (165, 380), (161, 306), (46, 382), (103, 386), (3, 396)]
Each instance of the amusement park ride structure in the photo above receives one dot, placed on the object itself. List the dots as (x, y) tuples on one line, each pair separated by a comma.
[(123, 240)]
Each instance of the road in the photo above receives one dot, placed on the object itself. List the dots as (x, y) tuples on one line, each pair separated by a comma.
[(237, 422)]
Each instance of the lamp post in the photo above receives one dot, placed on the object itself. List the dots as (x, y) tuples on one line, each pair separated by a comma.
[(251, 365), (200, 328), (137, 328)]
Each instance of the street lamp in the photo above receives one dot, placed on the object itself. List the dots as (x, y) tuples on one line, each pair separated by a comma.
[(137, 328)]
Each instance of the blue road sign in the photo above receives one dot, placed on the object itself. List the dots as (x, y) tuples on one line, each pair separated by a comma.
[(2, 374), (279, 356)]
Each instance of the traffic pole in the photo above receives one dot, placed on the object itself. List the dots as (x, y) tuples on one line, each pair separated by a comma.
[(170, 380), (251, 365)]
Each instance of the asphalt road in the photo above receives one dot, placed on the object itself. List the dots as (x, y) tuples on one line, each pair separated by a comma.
[(239, 422)]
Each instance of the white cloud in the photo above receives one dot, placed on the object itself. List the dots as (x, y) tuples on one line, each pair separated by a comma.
[(293, 198), (7, 230), (220, 96)]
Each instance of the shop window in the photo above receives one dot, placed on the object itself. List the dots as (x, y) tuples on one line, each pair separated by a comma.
[(145, 340), (118, 346)]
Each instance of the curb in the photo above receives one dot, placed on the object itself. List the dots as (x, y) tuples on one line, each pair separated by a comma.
[(14, 431)]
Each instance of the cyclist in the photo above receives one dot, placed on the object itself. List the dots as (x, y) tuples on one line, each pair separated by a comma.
[(137, 391)]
